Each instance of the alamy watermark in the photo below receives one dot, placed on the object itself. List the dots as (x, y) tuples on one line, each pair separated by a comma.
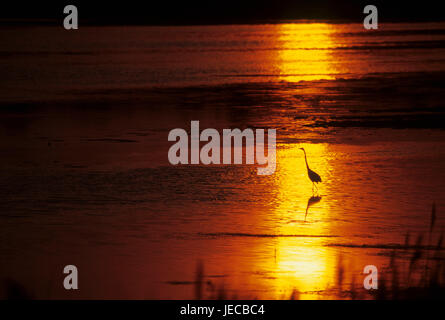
[(371, 279), (371, 20), (70, 282), (210, 153), (71, 21)]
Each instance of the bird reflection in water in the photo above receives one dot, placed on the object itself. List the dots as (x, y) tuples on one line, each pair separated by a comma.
[(311, 201)]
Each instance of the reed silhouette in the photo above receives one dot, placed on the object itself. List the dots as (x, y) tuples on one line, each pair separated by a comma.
[(421, 276), (415, 270)]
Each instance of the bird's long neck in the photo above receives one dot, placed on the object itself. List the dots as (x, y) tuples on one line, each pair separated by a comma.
[(305, 159)]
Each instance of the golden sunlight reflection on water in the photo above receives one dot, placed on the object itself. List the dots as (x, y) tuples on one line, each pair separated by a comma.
[(304, 52), (306, 263)]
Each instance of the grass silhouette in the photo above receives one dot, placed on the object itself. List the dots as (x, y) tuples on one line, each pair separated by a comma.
[(421, 276)]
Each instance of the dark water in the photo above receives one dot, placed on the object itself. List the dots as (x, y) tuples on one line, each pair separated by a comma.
[(86, 180)]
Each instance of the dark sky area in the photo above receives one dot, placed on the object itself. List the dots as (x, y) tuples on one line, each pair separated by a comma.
[(217, 11)]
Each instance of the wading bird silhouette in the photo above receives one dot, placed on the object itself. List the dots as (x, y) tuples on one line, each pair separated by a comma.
[(315, 178)]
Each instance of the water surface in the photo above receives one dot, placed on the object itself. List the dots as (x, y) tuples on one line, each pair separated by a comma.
[(86, 180)]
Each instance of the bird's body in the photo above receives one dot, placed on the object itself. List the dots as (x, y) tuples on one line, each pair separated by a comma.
[(313, 176)]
